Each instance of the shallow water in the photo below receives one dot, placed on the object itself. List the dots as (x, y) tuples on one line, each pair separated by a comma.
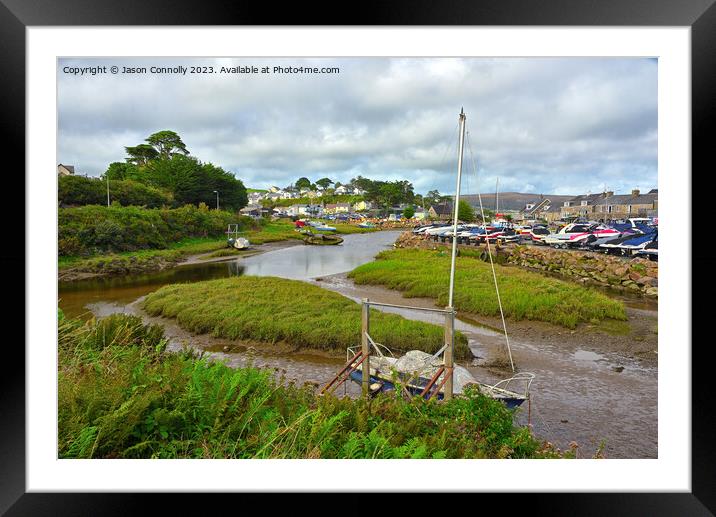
[(578, 395), (299, 262)]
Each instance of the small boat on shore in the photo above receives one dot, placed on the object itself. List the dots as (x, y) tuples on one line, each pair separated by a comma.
[(366, 224), (321, 239)]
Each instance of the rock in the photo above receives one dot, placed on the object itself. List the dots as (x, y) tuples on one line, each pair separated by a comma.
[(652, 291), (618, 369), (227, 348), (634, 276), (647, 281)]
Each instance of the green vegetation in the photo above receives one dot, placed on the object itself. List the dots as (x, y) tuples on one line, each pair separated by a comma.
[(141, 261), (81, 190), (92, 230), (525, 295), (271, 310), (465, 212), (121, 395), (324, 198), (164, 164)]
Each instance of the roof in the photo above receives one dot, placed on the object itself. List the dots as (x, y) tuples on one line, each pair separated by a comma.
[(442, 208), (70, 168), (628, 199)]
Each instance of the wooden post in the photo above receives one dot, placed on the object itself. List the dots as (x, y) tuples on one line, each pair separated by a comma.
[(365, 328), (448, 357)]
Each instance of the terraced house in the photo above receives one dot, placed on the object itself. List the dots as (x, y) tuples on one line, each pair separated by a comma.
[(606, 206)]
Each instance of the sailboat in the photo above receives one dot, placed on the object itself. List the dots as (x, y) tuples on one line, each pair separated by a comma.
[(376, 369)]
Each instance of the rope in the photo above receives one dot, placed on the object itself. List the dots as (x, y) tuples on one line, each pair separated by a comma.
[(489, 253)]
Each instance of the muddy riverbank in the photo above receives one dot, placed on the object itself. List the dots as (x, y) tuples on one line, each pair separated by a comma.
[(590, 386)]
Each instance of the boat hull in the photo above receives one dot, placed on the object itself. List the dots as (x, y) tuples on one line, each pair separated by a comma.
[(384, 385)]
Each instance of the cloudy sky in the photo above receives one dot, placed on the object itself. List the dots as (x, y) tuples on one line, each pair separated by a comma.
[(540, 125)]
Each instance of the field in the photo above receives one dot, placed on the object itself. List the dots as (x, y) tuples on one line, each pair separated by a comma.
[(271, 310), (524, 295)]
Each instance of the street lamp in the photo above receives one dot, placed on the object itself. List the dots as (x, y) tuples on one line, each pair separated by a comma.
[(217, 198)]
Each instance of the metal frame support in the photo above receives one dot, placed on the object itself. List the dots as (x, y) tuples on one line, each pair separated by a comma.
[(365, 345), (448, 357)]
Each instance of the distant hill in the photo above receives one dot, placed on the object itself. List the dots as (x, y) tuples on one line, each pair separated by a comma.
[(513, 200)]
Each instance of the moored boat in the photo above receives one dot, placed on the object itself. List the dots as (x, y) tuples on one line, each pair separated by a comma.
[(321, 239)]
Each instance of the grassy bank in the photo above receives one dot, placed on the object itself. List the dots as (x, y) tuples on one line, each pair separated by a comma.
[(268, 309), (283, 229), (524, 295), (95, 230), (139, 261), (121, 395)]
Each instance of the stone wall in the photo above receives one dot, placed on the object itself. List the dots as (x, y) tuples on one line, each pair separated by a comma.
[(635, 275)]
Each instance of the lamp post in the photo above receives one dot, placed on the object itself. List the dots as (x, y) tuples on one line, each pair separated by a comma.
[(217, 198)]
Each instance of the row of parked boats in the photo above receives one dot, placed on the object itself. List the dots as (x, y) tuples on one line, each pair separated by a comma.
[(631, 237)]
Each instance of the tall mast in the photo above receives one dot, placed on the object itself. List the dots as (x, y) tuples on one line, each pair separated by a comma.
[(497, 197), (457, 202)]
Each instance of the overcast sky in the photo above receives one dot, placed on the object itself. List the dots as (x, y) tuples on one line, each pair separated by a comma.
[(542, 125)]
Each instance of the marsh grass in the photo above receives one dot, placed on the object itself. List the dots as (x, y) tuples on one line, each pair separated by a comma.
[(271, 310), (137, 261), (122, 395), (525, 295)]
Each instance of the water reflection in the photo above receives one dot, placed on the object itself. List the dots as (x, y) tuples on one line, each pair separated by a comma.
[(296, 262)]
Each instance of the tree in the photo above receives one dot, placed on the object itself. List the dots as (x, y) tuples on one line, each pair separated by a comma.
[(433, 197), (362, 183), (167, 143), (408, 212), (324, 183), (303, 183), (141, 154), (119, 171), (465, 212)]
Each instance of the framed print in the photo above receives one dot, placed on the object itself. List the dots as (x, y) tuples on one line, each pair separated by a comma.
[(262, 193)]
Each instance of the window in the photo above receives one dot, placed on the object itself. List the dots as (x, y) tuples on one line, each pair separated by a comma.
[(609, 209)]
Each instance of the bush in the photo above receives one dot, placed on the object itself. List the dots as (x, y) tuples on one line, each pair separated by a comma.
[(96, 229), (80, 191)]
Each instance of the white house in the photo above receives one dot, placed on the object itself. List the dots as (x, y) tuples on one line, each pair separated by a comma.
[(297, 210), (65, 170), (344, 189)]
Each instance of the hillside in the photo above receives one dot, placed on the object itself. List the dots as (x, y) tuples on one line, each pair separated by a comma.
[(513, 200)]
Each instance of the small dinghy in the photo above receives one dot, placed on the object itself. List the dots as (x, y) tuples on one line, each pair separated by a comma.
[(321, 239)]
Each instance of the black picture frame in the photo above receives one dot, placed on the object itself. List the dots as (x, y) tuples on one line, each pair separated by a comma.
[(700, 15)]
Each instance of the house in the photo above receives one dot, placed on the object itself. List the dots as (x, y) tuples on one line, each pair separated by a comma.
[(361, 206), (255, 198), (420, 214), (335, 208), (442, 211), (624, 206), (272, 189), (607, 206), (297, 210), (344, 189), (251, 211), (538, 210), (65, 170)]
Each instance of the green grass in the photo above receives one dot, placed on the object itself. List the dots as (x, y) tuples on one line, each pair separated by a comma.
[(525, 295), (282, 230), (143, 260), (121, 395), (270, 310)]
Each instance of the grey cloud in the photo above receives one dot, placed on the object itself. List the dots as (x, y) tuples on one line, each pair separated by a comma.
[(540, 124)]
